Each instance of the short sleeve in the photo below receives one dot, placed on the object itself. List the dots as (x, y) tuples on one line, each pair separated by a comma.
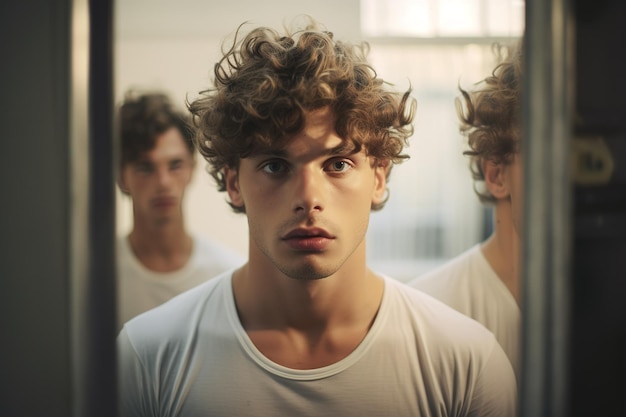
[(495, 391)]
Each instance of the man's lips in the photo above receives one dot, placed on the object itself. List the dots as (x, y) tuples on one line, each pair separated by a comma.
[(314, 239), (163, 202), (304, 233)]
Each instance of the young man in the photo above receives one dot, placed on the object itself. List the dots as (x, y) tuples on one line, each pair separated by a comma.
[(302, 135), (483, 282), (159, 258)]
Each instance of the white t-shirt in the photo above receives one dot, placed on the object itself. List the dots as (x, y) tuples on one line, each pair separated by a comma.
[(140, 289), (191, 357), (468, 284)]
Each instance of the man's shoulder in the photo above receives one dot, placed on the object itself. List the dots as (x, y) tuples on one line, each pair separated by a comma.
[(427, 307), (434, 320), (453, 344), (179, 315), (455, 269)]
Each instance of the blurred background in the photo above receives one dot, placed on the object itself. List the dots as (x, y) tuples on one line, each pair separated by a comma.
[(433, 46)]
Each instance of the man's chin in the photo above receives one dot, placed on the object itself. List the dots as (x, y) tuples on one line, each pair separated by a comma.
[(163, 220), (308, 272)]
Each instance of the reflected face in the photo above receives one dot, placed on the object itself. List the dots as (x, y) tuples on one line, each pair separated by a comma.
[(308, 204), (157, 181)]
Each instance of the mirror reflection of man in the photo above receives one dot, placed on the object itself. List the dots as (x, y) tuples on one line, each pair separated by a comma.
[(159, 258), (483, 282)]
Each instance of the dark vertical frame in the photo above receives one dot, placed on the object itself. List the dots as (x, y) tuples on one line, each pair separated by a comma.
[(102, 364), (93, 222), (598, 331), (547, 114), (34, 234)]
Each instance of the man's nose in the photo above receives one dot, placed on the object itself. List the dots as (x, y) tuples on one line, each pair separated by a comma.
[(309, 189), (164, 177)]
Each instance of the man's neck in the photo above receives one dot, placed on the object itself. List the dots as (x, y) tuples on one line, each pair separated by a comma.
[(502, 250), (161, 248), (306, 324)]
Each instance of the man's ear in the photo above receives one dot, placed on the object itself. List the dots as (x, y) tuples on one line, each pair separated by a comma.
[(494, 173), (381, 171), (231, 179)]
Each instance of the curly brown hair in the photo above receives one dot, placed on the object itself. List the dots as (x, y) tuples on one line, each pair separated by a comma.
[(266, 83), (490, 116), (143, 117)]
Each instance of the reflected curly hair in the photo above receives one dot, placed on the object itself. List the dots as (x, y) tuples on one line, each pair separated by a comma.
[(266, 83), (143, 117), (490, 116)]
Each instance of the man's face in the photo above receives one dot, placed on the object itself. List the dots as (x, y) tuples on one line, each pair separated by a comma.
[(308, 204), (157, 180)]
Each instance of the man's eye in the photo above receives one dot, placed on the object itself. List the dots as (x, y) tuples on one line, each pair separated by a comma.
[(274, 167), (144, 168), (339, 166), (176, 164)]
